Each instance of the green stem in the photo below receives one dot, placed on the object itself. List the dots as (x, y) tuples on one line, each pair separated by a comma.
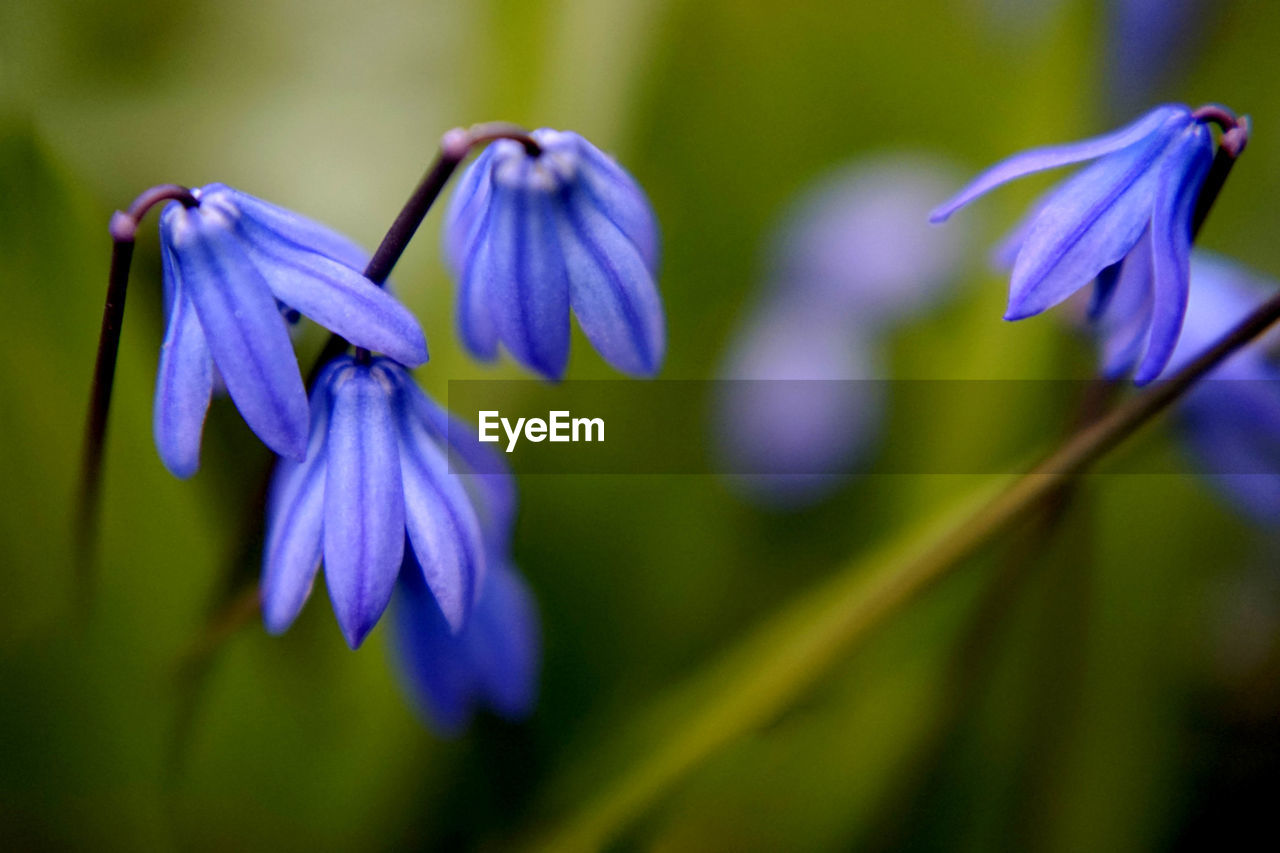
[(775, 664)]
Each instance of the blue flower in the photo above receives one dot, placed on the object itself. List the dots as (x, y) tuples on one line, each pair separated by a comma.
[(1231, 419), (529, 236), (377, 472), (230, 264), (1134, 205), (492, 662)]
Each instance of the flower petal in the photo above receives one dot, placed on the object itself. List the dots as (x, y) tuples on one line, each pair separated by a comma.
[(364, 513), (1126, 319), (617, 195), (335, 296), (522, 275), (1090, 223), (293, 548), (184, 380), (430, 656), (475, 312), (1051, 157), (243, 327), (1185, 169), (611, 289), (306, 232), (482, 471), (440, 519), (505, 643), (466, 211)]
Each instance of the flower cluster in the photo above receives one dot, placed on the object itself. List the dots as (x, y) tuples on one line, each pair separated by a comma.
[(376, 483)]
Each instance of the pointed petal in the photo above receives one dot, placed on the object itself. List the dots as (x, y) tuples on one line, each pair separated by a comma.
[(523, 278), (1051, 157), (611, 289), (432, 660), (243, 327), (1090, 223), (505, 643), (466, 211), (617, 195), (1186, 166), (475, 312), (335, 296), (306, 232), (363, 501), (482, 471), (184, 380), (1127, 317), (295, 520), (440, 519)]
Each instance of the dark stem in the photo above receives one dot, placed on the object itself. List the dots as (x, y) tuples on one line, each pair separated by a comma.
[(1230, 146), (124, 228)]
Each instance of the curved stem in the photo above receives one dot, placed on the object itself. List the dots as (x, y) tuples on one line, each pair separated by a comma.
[(124, 229), (765, 673)]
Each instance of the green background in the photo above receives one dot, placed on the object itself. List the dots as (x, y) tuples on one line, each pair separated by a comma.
[(1111, 684)]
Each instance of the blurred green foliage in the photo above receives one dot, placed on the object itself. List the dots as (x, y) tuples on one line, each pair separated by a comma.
[(1112, 685)]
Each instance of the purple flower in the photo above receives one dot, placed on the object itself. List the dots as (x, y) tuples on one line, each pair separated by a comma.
[(795, 418), (376, 473), (229, 265), (529, 236), (856, 242), (1231, 419), (492, 662), (1129, 211)]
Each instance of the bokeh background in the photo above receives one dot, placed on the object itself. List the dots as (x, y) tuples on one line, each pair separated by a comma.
[(1111, 682)]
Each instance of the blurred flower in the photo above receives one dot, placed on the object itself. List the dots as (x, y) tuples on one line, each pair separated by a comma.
[(1150, 44), (492, 662), (376, 471), (1133, 205), (857, 242), (852, 258), (1231, 419), (799, 410), (229, 265), (530, 235)]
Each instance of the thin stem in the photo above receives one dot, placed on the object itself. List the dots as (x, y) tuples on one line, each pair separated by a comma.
[(763, 674), (124, 229)]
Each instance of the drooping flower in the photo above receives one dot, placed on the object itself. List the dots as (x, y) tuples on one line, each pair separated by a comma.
[(231, 265), (376, 473), (492, 662), (530, 236), (1133, 205), (1231, 418)]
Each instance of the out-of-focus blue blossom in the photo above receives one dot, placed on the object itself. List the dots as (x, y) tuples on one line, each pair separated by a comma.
[(858, 242), (1231, 419), (376, 472), (530, 236), (1150, 44), (230, 264), (852, 259), (492, 662), (798, 414), (1133, 205)]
